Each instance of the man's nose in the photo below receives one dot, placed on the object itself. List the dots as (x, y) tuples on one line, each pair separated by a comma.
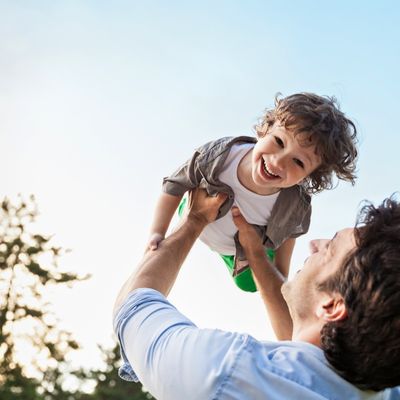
[(313, 245), (317, 244)]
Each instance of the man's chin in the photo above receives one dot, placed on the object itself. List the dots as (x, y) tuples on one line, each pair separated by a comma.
[(285, 288)]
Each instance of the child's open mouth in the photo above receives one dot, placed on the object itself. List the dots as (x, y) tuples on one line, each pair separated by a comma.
[(268, 173)]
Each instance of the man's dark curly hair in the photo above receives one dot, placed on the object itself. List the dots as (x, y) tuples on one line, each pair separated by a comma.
[(322, 123), (365, 347)]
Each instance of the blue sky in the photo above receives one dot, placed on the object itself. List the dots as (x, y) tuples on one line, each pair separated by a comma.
[(99, 100)]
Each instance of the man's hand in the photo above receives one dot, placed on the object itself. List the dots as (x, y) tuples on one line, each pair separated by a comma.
[(248, 236), (202, 207)]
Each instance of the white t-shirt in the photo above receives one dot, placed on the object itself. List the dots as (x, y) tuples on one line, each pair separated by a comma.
[(255, 208)]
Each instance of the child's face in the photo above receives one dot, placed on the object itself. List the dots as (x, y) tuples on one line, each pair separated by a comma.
[(280, 161)]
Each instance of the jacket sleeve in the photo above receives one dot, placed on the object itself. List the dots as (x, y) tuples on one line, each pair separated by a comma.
[(194, 172), (185, 178), (304, 225)]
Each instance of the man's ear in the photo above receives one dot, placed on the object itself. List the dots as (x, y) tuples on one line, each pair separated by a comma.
[(332, 309)]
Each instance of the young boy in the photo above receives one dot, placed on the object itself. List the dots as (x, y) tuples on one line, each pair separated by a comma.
[(300, 145)]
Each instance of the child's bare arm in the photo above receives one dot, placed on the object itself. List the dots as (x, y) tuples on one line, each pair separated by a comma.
[(165, 209), (284, 255), (267, 277)]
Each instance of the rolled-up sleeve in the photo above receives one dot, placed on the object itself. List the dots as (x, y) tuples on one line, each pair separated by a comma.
[(185, 178), (170, 356)]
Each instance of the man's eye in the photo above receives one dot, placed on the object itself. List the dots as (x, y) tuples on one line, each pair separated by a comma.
[(279, 141), (299, 162)]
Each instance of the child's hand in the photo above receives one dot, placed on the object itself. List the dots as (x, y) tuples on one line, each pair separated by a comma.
[(154, 241)]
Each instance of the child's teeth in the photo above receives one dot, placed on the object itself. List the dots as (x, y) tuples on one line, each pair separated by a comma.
[(268, 171)]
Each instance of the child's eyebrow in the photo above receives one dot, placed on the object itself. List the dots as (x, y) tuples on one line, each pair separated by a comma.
[(308, 158)]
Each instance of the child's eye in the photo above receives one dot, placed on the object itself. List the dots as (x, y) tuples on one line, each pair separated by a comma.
[(279, 141), (299, 162)]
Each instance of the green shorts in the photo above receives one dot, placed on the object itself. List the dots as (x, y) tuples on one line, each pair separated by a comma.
[(243, 280)]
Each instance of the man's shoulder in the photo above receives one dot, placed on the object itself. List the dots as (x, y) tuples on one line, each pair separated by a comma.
[(286, 369), (135, 300)]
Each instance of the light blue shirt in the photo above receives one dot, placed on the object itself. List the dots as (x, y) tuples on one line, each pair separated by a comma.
[(176, 360)]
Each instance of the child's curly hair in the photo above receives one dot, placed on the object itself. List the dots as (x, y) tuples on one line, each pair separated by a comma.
[(322, 123)]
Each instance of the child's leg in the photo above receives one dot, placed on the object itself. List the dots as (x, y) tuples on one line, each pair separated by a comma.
[(182, 206), (244, 280)]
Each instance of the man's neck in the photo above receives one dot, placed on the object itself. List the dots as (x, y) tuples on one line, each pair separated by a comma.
[(309, 332)]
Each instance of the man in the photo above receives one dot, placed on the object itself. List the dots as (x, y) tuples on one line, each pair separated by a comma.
[(342, 307)]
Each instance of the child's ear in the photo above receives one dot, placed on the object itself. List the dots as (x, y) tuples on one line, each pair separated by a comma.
[(262, 130), (259, 134)]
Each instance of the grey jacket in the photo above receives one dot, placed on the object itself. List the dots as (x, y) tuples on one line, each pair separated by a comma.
[(290, 216)]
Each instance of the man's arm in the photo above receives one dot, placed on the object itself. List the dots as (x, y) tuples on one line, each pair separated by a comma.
[(267, 277), (284, 255), (159, 269)]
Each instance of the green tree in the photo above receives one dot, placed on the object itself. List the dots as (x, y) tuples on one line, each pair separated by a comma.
[(28, 327)]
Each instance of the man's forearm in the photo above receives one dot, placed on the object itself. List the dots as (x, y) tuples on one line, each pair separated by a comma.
[(269, 281), (158, 269), (268, 278)]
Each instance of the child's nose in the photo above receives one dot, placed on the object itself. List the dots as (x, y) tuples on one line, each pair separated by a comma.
[(279, 161)]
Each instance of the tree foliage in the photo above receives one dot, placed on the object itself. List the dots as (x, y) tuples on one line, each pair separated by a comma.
[(32, 347)]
